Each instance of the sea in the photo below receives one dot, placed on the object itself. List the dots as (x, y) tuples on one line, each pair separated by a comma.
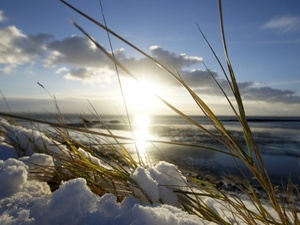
[(176, 140)]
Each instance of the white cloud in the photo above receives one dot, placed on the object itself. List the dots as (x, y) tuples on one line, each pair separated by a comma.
[(191, 58), (52, 58), (153, 47), (16, 48), (2, 17), (61, 70), (9, 52), (284, 24), (8, 68)]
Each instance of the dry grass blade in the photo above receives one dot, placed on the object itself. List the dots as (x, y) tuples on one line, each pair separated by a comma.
[(230, 140), (201, 103)]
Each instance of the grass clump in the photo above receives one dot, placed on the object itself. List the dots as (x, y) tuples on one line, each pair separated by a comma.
[(108, 167)]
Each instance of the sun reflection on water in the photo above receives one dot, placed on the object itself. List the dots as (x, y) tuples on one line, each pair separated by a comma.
[(142, 134)]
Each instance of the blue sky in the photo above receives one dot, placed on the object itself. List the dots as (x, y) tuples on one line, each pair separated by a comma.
[(40, 44)]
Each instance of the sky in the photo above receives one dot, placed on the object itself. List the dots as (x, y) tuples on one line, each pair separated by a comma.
[(40, 45)]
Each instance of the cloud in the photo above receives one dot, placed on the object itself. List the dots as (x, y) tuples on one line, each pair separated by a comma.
[(173, 60), (75, 51), (9, 52), (7, 69), (90, 75), (285, 24), (250, 92), (16, 48), (199, 78), (2, 17), (80, 52), (144, 69), (89, 65), (61, 70), (270, 95)]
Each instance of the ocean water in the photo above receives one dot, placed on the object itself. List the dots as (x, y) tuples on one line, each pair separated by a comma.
[(278, 139)]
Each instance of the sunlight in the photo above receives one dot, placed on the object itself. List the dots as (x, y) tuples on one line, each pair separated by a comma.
[(141, 134), (140, 98)]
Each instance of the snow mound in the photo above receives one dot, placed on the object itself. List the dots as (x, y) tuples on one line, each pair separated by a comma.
[(158, 183), (74, 203), (13, 176)]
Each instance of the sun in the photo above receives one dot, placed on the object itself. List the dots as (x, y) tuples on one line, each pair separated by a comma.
[(140, 97)]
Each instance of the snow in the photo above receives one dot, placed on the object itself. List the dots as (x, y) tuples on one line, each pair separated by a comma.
[(28, 200), (158, 182), (147, 183), (29, 141), (31, 202)]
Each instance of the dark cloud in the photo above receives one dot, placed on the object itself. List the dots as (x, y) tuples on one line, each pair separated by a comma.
[(172, 60), (82, 73), (76, 51), (146, 69), (90, 76), (250, 92), (271, 95), (199, 78), (34, 45)]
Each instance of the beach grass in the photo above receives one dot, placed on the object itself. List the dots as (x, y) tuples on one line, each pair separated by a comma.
[(112, 172)]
